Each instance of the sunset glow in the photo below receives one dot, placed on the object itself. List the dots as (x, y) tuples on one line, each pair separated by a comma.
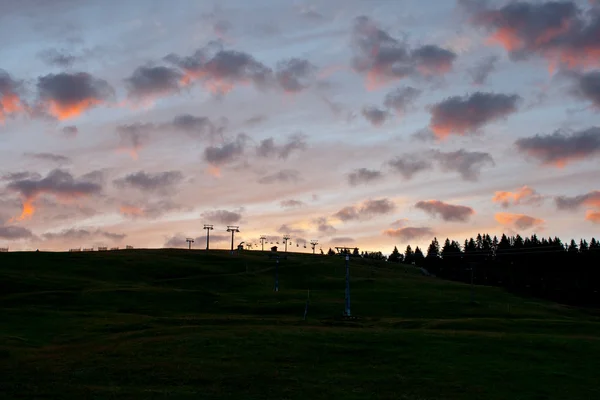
[(343, 122)]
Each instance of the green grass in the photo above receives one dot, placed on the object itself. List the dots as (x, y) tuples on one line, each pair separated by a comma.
[(168, 324)]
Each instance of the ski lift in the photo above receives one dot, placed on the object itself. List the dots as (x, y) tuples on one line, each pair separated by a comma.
[(297, 245), (304, 245)]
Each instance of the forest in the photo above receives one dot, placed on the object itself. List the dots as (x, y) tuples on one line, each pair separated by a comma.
[(547, 268)]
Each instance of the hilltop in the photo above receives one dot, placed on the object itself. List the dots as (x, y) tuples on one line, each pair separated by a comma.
[(137, 324)]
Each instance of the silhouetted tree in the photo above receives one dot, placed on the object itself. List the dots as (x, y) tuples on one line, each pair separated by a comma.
[(330, 252), (395, 256), (355, 252), (434, 249), (409, 256), (418, 256)]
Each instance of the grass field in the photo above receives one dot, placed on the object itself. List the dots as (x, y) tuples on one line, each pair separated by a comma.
[(178, 324)]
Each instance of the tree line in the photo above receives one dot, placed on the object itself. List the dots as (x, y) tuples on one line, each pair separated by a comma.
[(542, 267)]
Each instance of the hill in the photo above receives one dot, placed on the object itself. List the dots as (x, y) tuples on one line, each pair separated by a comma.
[(182, 324)]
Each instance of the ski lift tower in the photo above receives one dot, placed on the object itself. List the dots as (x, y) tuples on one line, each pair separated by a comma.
[(208, 229), (285, 241), (313, 244), (190, 241), (233, 230)]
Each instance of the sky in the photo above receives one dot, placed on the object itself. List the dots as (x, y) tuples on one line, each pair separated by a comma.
[(357, 123)]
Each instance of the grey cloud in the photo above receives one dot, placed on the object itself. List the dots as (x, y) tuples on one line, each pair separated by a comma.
[(70, 131), (148, 82), (18, 176), (150, 210), (556, 30), (149, 182), (341, 240), (433, 60), (291, 203), (295, 74), (228, 152), (286, 229), (561, 148), (84, 234), (588, 87), (424, 135), (363, 175), (73, 90), (179, 240), (268, 148), (59, 58), (200, 126), (467, 163), (410, 233), (482, 70), (401, 98), (410, 164), (324, 227), (283, 176), (374, 115), (228, 67), (15, 233), (366, 210), (135, 136), (256, 120), (58, 182), (572, 203), (57, 158), (386, 58), (467, 114), (222, 216), (448, 212)]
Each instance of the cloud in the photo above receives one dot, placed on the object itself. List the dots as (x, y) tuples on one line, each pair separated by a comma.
[(399, 223), (467, 114), (70, 131), (286, 229), (363, 176), (467, 163), (409, 233), (149, 182), (226, 153), (324, 227), (267, 147), (376, 116), (519, 221), (292, 203), (593, 216), (15, 233), (555, 30), (59, 58), (341, 241), (283, 176), (366, 210), (10, 101), (409, 165), (57, 158), (134, 137), (195, 126), (68, 95), (401, 98), (221, 70), (58, 183), (147, 83), (179, 240), (424, 135), (17, 176), (222, 217), (433, 60), (295, 74), (523, 195), (448, 212), (561, 148), (384, 59), (591, 199), (74, 234), (588, 87), (482, 70)]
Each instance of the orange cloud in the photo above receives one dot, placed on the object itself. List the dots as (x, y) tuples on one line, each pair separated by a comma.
[(65, 111), (520, 221), (593, 216), (131, 211), (524, 194), (27, 213), (10, 103)]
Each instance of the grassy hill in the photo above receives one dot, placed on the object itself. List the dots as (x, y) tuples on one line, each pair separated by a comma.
[(180, 324)]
